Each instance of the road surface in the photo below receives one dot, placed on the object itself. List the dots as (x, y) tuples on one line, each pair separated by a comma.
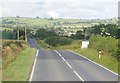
[(57, 65)]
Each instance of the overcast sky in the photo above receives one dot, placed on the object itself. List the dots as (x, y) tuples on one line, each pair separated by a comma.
[(83, 9)]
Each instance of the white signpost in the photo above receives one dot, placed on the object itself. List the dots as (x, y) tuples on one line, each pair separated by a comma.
[(85, 44)]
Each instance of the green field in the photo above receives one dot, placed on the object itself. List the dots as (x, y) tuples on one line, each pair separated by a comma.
[(43, 22)]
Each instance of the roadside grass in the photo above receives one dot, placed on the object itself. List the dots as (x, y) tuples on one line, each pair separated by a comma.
[(106, 60), (19, 69)]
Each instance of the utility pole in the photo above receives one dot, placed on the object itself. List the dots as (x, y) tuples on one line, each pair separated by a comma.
[(84, 33), (25, 34), (17, 33)]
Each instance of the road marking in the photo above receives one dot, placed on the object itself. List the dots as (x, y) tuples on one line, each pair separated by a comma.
[(95, 63), (63, 58), (37, 53), (78, 76), (68, 65), (33, 68), (58, 53), (37, 43)]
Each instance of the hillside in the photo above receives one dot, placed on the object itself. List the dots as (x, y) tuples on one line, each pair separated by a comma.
[(13, 22), (66, 26)]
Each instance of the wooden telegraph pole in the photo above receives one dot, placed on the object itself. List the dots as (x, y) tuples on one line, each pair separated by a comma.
[(17, 33), (25, 34)]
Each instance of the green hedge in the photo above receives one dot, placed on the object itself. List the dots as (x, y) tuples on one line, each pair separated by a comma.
[(55, 41)]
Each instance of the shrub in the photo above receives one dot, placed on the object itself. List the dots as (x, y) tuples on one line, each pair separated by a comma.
[(103, 43), (107, 44), (116, 53), (55, 41), (43, 33)]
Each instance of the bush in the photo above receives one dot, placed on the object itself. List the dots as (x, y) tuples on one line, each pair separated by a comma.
[(107, 44), (116, 53), (79, 35), (43, 33), (22, 37), (55, 41), (103, 43)]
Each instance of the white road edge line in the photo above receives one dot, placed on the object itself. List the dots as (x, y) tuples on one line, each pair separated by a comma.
[(37, 44), (68, 65), (33, 68), (95, 63), (78, 76)]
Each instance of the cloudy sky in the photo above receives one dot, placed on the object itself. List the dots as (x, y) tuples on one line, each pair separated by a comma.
[(83, 9)]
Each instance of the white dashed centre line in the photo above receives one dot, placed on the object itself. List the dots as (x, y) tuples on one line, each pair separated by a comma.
[(78, 76), (69, 66)]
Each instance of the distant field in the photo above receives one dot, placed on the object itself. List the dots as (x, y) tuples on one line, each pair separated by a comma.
[(28, 21), (3, 28), (78, 24), (73, 29), (43, 22)]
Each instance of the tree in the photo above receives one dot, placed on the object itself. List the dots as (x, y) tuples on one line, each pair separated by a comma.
[(73, 36), (56, 40), (111, 29), (79, 35), (118, 35), (43, 33), (96, 29), (37, 17)]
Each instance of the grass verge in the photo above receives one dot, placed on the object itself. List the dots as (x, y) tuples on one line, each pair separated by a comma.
[(106, 60), (20, 68)]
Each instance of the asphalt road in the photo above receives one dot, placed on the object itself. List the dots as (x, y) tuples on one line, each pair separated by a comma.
[(52, 65)]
